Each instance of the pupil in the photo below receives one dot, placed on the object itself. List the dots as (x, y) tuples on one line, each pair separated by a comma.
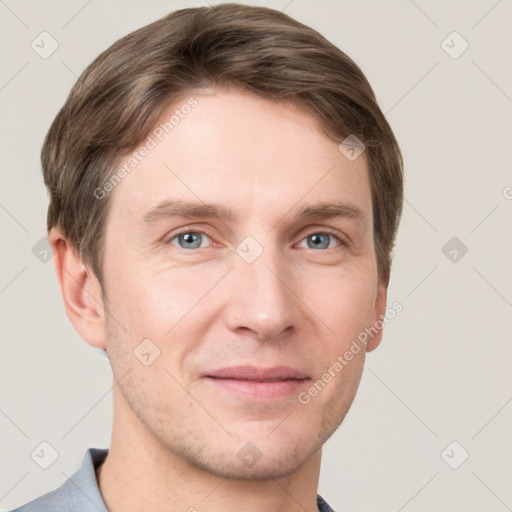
[(318, 242), (190, 239)]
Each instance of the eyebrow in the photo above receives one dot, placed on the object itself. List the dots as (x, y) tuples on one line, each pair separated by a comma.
[(186, 209)]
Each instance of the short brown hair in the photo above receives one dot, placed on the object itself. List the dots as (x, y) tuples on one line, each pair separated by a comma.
[(119, 97)]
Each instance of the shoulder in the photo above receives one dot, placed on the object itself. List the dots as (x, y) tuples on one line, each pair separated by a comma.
[(79, 493), (58, 500), (322, 505)]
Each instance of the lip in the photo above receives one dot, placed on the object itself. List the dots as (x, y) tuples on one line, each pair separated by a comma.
[(256, 374), (263, 383)]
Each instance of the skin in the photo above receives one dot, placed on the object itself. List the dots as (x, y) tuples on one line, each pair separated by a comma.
[(176, 434)]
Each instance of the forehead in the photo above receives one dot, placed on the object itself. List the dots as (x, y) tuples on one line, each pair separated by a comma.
[(233, 148)]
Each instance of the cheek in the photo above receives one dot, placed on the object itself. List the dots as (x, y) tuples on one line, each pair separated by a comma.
[(344, 301), (143, 296), (160, 301)]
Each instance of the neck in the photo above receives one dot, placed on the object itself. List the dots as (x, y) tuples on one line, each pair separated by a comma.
[(140, 473)]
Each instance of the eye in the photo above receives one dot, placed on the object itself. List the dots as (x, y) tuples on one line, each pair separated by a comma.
[(189, 239), (321, 240), (197, 240)]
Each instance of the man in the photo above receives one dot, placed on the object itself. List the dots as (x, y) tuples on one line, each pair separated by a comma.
[(224, 198)]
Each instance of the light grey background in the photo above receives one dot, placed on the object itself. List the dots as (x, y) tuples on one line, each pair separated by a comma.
[(442, 372)]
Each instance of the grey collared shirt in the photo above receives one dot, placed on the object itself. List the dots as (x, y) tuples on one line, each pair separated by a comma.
[(80, 492)]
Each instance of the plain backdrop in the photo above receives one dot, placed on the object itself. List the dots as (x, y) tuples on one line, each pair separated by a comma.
[(439, 387)]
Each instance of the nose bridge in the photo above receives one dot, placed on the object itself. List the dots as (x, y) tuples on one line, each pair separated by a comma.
[(260, 299)]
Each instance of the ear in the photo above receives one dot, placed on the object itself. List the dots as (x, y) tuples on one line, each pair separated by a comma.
[(80, 290), (378, 314)]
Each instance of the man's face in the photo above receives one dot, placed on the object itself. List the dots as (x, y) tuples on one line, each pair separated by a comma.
[(248, 311)]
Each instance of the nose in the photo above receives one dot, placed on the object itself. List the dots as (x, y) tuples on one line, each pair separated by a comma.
[(261, 297)]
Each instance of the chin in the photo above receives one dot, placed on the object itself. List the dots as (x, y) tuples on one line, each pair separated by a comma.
[(263, 466)]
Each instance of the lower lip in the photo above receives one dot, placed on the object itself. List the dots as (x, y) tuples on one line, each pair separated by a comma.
[(264, 390)]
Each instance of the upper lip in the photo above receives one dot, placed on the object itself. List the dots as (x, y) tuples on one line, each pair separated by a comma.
[(253, 373)]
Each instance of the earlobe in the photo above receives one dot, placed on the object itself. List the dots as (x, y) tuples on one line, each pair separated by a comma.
[(80, 291), (378, 316)]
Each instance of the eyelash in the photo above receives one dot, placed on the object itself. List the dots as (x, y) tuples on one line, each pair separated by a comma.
[(309, 233)]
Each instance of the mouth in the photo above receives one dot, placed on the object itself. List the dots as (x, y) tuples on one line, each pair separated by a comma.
[(259, 383)]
